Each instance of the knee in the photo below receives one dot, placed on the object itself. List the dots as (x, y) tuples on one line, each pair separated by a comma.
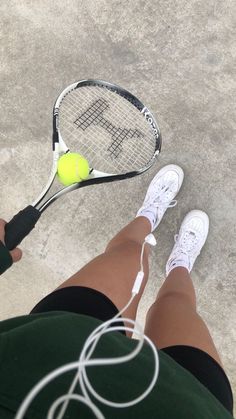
[(125, 244), (174, 298)]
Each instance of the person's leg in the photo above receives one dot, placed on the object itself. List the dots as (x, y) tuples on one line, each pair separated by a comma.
[(173, 318), (113, 272)]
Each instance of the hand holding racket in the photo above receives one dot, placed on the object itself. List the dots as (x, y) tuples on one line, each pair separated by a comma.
[(109, 127)]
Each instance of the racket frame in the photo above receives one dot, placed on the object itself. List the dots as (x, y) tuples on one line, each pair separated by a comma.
[(95, 176)]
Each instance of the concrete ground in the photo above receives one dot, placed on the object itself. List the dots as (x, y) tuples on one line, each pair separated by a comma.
[(179, 59)]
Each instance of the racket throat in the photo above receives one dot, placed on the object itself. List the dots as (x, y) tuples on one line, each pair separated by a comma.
[(97, 174)]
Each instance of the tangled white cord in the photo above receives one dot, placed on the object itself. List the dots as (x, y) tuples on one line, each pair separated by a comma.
[(86, 361)]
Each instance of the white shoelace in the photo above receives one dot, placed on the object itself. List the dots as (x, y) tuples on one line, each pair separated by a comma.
[(165, 205), (189, 242), (159, 203)]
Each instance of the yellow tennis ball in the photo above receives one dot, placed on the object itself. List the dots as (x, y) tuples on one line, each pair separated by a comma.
[(72, 168)]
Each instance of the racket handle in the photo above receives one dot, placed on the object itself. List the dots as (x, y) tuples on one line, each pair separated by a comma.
[(20, 226)]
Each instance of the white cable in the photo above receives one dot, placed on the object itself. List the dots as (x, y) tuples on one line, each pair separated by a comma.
[(92, 406), (126, 359), (94, 333), (85, 361)]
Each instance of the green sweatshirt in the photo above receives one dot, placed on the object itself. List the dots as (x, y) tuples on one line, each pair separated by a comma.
[(31, 346)]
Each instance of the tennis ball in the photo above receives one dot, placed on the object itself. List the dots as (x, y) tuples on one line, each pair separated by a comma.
[(72, 168)]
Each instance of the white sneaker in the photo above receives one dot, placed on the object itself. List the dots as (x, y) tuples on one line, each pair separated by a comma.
[(160, 194), (189, 242)]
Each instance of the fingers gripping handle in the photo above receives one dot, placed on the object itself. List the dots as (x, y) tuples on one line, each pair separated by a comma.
[(20, 226)]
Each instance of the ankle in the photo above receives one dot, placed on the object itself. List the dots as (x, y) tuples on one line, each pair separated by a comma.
[(178, 271), (181, 261)]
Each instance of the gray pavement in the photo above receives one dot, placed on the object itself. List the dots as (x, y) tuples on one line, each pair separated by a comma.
[(179, 59)]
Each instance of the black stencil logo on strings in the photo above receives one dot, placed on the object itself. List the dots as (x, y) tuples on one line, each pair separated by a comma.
[(94, 116)]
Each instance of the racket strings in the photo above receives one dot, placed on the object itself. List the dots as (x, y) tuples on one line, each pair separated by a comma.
[(94, 115), (132, 161), (90, 151), (106, 129)]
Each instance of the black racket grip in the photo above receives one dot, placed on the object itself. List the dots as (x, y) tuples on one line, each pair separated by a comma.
[(20, 226)]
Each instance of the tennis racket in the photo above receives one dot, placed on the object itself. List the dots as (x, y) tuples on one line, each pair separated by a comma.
[(109, 127)]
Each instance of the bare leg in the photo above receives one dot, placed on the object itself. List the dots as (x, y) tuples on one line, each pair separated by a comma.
[(113, 273), (173, 318)]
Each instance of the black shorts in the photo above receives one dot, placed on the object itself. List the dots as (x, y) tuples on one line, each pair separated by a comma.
[(93, 303)]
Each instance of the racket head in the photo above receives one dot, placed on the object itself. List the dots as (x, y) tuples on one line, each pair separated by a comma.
[(109, 126)]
